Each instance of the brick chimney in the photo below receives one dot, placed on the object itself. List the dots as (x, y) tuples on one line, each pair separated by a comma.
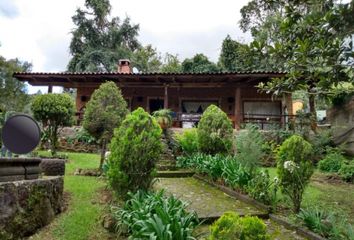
[(124, 66)]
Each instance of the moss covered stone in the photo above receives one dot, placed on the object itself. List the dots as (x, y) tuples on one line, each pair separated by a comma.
[(28, 205)]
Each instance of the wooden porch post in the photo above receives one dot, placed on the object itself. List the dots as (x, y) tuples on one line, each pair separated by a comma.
[(165, 101), (238, 104), (289, 107), (50, 89)]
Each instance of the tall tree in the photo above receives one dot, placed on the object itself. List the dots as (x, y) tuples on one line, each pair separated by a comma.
[(13, 95), (199, 64), (98, 41)]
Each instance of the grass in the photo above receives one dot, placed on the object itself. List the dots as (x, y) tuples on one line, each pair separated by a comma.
[(81, 220)]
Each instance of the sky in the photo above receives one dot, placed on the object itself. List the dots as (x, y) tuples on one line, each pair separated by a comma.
[(38, 31)]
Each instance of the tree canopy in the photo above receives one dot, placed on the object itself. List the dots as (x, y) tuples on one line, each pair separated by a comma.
[(199, 64), (99, 41), (53, 111), (13, 95), (147, 59)]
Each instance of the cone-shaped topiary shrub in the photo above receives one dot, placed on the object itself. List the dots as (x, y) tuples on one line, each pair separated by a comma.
[(104, 112), (135, 147), (294, 168), (215, 132)]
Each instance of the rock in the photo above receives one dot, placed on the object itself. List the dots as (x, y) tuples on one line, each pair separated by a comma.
[(88, 172), (53, 167), (109, 223)]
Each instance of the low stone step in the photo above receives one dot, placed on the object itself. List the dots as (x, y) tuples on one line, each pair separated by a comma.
[(175, 174), (166, 167)]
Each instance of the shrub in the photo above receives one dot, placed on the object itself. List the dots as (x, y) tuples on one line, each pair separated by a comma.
[(153, 216), (211, 165), (188, 141), (81, 136), (235, 174), (249, 151), (215, 132), (346, 172), (53, 111), (263, 189), (332, 162), (321, 142), (231, 226), (294, 168), (321, 222), (218, 166), (104, 112), (135, 147)]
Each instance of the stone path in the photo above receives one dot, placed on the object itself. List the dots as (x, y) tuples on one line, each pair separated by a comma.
[(210, 203), (207, 201)]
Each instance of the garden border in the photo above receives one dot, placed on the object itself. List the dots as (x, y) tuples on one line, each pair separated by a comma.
[(299, 230)]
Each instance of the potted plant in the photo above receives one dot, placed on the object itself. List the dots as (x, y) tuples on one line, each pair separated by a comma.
[(164, 118)]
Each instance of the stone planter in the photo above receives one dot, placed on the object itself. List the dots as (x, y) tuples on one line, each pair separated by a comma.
[(53, 167), (15, 169)]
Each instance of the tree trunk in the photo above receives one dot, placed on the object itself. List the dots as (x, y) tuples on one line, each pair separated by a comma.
[(103, 152), (53, 138), (313, 112)]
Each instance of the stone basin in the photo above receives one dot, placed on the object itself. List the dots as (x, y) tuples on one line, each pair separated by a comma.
[(16, 169)]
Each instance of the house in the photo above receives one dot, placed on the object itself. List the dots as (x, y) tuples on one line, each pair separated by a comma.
[(186, 94)]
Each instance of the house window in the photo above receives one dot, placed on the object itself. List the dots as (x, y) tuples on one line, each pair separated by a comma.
[(197, 107), (263, 114), (192, 111)]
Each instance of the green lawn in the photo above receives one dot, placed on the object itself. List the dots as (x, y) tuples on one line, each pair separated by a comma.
[(82, 218), (335, 196)]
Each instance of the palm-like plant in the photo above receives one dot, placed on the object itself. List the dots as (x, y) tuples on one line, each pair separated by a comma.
[(163, 117)]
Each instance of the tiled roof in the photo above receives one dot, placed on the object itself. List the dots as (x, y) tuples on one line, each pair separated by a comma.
[(146, 74)]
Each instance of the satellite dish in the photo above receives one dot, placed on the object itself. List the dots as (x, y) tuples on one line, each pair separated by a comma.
[(135, 70), (21, 134)]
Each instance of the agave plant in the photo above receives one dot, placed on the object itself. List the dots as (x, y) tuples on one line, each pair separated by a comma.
[(163, 117)]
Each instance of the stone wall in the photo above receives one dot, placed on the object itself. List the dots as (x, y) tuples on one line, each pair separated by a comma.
[(342, 124), (28, 205)]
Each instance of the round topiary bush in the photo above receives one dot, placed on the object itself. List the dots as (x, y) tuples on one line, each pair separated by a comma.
[(231, 226), (215, 132), (54, 111), (135, 147), (294, 168)]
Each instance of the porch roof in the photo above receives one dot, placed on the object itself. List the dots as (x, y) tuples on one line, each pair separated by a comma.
[(77, 79)]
